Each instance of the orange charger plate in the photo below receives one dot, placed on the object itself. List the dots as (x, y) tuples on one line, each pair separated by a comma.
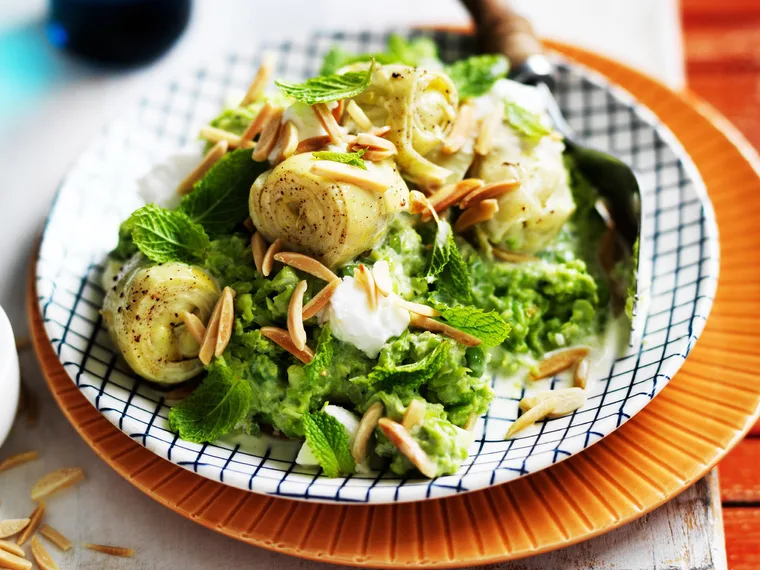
[(677, 438)]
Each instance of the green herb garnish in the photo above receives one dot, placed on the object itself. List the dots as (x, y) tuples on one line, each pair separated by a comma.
[(352, 158), (219, 200), (328, 441), (326, 88), (529, 124), (214, 408), (167, 235), (475, 75)]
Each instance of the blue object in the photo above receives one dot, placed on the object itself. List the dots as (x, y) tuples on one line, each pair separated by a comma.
[(118, 32)]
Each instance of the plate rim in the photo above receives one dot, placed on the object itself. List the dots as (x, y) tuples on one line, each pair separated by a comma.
[(670, 366)]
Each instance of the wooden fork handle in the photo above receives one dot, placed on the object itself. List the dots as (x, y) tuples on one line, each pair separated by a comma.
[(500, 29)]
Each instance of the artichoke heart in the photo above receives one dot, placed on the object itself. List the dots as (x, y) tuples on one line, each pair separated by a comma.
[(419, 105), (142, 313), (530, 217), (331, 221)]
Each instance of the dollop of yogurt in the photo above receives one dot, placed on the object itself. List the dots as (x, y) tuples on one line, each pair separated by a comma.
[(353, 321)]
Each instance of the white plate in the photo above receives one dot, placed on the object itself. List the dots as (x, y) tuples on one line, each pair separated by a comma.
[(100, 191)]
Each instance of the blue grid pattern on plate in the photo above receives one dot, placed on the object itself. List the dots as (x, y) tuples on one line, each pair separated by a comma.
[(100, 191)]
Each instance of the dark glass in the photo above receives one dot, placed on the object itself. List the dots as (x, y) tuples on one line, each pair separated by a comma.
[(117, 32)]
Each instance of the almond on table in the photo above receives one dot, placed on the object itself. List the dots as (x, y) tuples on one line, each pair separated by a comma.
[(57, 481)]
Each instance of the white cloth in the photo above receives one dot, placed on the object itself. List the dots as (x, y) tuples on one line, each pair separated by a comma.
[(52, 109)]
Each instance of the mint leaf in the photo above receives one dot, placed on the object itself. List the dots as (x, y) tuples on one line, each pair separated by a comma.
[(352, 158), (166, 235), (386, 378), (214, 408), (126, 247), (328, 441), (414, 52), (441, 251), (322, 357), (447, 268), (326, 88), (219, 200), (475, 75), (489, 327), (529, 124), (455, 280)]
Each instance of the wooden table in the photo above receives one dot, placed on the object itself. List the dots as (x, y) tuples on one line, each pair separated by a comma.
[(722, 49)]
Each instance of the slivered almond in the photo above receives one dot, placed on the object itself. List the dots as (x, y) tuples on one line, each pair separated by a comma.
[(558, 361), (351, 174), (312, 144), (282, 338), (269, 257), (288, 141), (381, 271), (208, 346), (480, 212), (306, 264), (580, 376), (328, 122), (381, 131), (459, 132), (472, 421), (539, 412), (337, 111), (260, 80), (13, 561), (41, 556), (269, 135), (417, 308), (377, 155), (259, 249), (259, 121), (194, 325), (565, 400), (56, 537), (295, 316), (418, 202), (367, 425), (111, 550), (512, 257), (15, 549), (34, 521), (492, 190), (364, 277), (426, 323), (374, 142), (358, 116), (226, 321), (451, 194), (487, 129), (9, 527), (57, 481), (212, 134), (406, 444), (18, 459), (320, 300), (414, 414), (212, 157)]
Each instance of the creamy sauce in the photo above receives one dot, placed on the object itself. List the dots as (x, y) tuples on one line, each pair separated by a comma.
[(353, 321)]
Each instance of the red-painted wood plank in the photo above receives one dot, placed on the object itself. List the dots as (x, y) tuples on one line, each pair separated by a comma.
[(742, 526), (738, 473)]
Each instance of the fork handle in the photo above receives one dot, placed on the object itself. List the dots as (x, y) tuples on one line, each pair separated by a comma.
[(501, 29)]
